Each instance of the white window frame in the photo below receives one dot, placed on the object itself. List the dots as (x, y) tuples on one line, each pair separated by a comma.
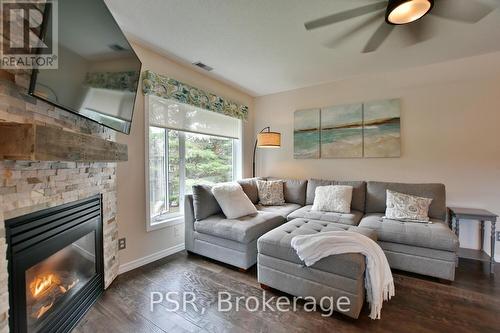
[(173, 219), (179, 218)]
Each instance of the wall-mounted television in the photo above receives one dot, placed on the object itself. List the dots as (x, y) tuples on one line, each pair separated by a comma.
[(98, 71)]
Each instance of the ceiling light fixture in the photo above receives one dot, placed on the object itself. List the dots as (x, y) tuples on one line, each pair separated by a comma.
[(407, 11)]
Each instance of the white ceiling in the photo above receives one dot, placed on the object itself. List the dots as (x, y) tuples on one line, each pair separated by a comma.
[(261, 46), (90, 22)]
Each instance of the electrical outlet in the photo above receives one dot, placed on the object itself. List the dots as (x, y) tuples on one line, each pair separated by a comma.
[(122, 244), (498, 236)]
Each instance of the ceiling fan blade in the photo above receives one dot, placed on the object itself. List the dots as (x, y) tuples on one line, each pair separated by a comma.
[(366, 23), (380, 35), (346, 15), (467, 11)]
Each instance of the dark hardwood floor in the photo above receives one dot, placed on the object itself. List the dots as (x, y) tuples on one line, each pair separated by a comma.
[(470, 304)]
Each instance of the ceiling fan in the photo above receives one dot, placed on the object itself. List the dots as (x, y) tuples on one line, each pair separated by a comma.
[(405, 14)]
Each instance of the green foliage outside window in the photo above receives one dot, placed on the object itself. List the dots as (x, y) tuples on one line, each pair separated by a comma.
[(208, 160)]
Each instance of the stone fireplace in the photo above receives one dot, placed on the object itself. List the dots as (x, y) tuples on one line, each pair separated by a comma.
[(30, 186)]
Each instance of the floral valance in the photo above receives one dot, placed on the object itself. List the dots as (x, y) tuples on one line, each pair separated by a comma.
[(165, 87), (113, 80)]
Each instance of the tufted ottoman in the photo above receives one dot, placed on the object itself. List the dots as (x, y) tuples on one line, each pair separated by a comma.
[(336, 276)]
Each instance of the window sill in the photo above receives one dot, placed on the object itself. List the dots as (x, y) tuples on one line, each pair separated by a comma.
[(168, 222)]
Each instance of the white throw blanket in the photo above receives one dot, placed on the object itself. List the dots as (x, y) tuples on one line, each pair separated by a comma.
[(378, 278)]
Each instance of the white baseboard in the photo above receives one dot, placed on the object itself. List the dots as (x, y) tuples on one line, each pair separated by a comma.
[(150, 258)]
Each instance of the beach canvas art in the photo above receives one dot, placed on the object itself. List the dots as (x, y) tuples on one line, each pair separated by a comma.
[(342, 131), (306, 134), (382, 128), (371, 129)]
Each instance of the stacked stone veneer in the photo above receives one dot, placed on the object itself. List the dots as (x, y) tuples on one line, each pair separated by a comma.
[(29, 186)]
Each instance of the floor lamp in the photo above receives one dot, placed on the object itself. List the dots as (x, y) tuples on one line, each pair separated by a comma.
[(266, 139)]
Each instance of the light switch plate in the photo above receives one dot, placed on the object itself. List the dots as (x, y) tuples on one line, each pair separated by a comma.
[(122, 244)]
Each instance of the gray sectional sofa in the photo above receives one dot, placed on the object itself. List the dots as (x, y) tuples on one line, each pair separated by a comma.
[(428, 249)]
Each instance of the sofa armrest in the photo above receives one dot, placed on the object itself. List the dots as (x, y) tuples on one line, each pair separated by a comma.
[(189, 222)]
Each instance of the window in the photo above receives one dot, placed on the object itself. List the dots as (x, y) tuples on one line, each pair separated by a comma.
[(164, 175), (179, 157)]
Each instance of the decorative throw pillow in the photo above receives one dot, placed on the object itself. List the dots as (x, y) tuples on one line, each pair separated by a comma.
[(204, 202), (249, 186), (233, 201), (333, 198), (405, 207), (271, 192)]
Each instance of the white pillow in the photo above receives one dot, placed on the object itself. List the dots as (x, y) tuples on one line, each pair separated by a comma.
[(233, 201), (405, 207), (333, 198)]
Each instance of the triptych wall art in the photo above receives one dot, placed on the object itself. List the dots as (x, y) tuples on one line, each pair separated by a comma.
[(369, 129)]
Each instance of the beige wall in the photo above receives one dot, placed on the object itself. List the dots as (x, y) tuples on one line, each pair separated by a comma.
[(130, 175), (450, 131)]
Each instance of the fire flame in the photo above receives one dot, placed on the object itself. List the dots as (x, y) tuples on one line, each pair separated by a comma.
[(42, 284), (68, 287), (43, 309)]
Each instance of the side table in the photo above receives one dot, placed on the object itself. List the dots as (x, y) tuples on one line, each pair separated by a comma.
[(482, 216)]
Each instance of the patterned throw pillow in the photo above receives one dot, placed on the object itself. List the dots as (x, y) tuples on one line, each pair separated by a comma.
[(405, 207), (271, 192), (333, 198)]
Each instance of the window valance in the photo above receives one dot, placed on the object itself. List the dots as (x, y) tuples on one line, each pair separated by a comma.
[(166, 87)]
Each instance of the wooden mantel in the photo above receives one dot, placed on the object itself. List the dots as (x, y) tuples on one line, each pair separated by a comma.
[(34, 142)]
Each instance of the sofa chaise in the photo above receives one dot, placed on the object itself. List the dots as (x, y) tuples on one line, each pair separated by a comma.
[(209, 233)]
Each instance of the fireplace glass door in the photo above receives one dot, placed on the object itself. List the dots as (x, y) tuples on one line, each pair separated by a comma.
[(55, 266), (55, 279)]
